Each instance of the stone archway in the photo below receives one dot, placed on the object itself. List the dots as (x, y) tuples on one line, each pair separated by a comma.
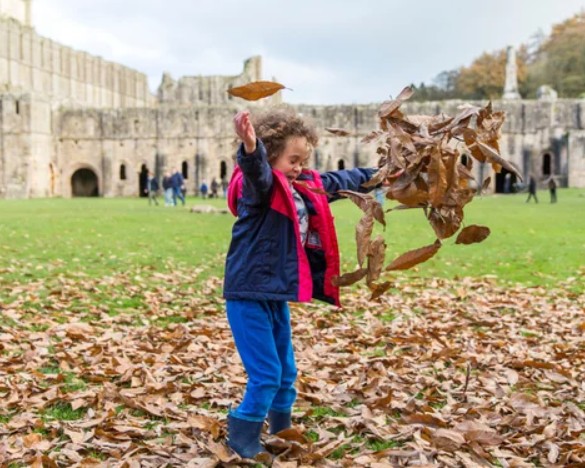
[(84, 183), (506, 182)]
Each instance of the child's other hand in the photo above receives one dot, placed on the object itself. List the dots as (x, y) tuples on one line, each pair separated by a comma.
[(245, 131)]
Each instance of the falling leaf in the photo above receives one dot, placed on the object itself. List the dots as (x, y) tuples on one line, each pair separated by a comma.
[(255, 90), (414, 257), (472, 234), (349, 278), (376, 251), (338, 131)]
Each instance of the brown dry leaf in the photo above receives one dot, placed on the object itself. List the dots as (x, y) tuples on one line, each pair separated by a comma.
[(493, 157), (449, 440), (348, 279), (376, 255), (379, 289), (424, 419), (414, 257), (362, 200), (256, 90), (363, 233), (446, 220), (472, 234), (31, 440), (338, 131)]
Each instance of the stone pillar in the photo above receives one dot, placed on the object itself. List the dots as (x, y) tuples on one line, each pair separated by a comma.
[(511, 86), (27, 13)]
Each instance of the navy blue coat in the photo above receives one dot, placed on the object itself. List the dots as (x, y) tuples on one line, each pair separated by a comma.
[(266, 260)]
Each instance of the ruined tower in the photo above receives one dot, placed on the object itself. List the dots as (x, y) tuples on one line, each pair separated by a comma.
[(19, 10), (511, 86)]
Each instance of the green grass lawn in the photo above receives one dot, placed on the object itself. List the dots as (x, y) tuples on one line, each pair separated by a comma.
[(530, 244)]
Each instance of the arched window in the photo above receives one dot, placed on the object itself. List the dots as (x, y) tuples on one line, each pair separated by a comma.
[(143, 181), (222, 170), (341, 164), (122, 171), (185, 169), (546, 163)]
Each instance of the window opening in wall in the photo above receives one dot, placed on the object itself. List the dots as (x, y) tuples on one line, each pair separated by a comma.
[(17, 106), (222, 170), (143, 181), (341, 164), (185, 169), (122, 171), (546, 163)]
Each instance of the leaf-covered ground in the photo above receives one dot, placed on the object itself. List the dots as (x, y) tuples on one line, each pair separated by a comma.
[(138, 369)]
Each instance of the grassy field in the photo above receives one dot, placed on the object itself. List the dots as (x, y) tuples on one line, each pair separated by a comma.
[(530, 244), (115, 348)]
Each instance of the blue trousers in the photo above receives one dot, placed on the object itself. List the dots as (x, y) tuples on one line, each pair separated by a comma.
[(263, 338)]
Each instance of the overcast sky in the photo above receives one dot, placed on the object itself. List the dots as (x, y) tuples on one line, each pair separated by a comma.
[(327, 51)]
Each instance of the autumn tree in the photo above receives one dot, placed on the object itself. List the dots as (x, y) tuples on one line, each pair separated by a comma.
[(560, 60), (485, 77)]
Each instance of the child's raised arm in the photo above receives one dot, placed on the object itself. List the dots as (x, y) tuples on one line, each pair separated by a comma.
[(245, 131)]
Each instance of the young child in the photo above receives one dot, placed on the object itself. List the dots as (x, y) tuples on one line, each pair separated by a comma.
[(283, 248)]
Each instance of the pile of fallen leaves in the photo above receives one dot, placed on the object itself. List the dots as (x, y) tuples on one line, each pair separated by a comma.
[(461, 373), (422, 167)]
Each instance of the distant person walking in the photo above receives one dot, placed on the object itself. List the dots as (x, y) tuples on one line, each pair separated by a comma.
[(203, 189), (224, 186), (532, 189), (214, 188), (178, 184), (552, 188), (152, 188), (167, 184)]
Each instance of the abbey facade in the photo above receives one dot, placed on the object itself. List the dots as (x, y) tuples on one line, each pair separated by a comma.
[(72, 124)]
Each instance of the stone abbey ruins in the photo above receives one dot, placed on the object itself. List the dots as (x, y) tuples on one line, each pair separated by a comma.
[(73, 124)]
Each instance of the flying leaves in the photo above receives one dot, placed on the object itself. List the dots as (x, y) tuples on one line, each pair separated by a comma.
[(256, 90), (422, 167)]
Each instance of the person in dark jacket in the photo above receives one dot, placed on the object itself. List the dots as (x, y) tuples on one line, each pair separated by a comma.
[(532, 189), (283, 248), (167, 184), (552, 188), (178, 185), (152, 188)]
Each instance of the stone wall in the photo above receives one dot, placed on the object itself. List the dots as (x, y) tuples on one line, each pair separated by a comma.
[(34, 64), (201, 137)]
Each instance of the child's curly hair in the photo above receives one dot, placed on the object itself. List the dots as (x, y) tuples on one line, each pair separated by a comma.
[(274, 126)]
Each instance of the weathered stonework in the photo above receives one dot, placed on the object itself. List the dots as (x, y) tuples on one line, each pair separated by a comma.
[(75, 124)]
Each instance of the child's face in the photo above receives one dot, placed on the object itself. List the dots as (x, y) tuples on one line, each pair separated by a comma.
[(294, 157)]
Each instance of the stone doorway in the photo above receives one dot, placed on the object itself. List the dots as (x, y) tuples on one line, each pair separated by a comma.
[(84, 183), (506, 182), (142, 181)]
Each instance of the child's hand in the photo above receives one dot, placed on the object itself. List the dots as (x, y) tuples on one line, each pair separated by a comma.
[(245, 130)]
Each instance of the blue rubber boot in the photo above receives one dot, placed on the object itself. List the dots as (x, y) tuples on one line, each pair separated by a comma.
[(278, 421), (244, 437)]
